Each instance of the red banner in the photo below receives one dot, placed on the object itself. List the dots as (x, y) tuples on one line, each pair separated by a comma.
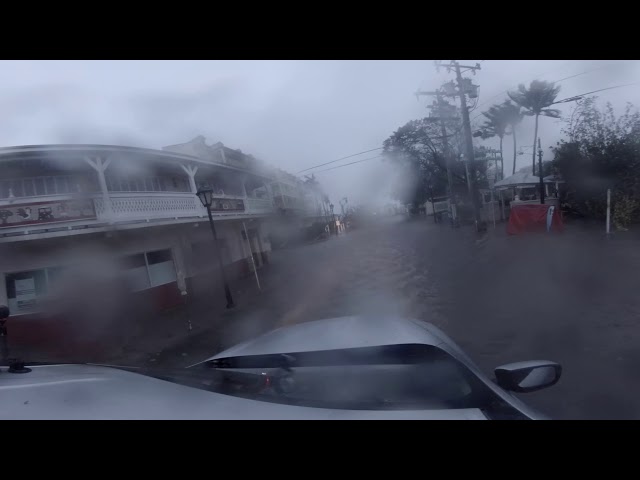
[(533, 218)]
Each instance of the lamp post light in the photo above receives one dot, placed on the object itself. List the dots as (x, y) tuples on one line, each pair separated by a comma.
[(206, 197)]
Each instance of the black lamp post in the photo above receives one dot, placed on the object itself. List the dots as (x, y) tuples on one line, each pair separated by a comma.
[(4, 353), (206, 197), (333, 220)]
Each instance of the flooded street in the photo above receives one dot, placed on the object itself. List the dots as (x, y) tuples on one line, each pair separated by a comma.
[(504, 299)]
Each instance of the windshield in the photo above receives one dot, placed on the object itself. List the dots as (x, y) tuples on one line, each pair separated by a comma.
[(409, 377), (157, 213)]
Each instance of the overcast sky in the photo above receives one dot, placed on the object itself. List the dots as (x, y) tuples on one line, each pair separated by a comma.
[(292, 114)]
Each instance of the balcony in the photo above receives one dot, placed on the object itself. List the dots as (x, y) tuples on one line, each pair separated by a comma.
[(43, 214)]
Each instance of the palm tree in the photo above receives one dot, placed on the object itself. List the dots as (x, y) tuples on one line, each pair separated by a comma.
[(495, 126), (513, 117), (535, 100)]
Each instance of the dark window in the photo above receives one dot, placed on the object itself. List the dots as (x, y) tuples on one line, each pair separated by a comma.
[(159, 256), (17, 188), (4, 189), (29, 190), (50, 185), (61, 185), (40, 188), (39, 277), (133, 261)]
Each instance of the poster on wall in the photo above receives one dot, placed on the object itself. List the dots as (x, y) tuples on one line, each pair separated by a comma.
[(227, 205), (26, 293), (46, 212)]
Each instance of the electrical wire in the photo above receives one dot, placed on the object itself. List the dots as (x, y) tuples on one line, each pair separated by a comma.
[(555, 81), (575, 97), (347, 164), (337, 160)]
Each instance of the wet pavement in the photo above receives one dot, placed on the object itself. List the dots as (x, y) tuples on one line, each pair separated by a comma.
[(571, 298)]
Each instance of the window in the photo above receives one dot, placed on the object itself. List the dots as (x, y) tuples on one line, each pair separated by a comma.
[(135, 271), (26, 290), (409, 377), (29, 190), (150, 269)]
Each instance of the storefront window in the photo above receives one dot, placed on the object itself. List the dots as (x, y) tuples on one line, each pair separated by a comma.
[(150, 269), (135, 271), (27, 290)]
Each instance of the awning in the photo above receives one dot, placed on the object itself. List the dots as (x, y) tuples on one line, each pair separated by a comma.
[(519, 179)]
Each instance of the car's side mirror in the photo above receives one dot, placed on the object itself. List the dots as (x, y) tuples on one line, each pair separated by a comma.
[(523, 377)]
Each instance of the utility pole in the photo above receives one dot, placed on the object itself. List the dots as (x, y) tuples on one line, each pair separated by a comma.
[(441, 115), (540, 173), (465, 87), (466, 123)]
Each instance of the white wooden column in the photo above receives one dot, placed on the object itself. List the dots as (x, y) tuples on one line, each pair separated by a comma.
[(100, 165), (191, 173), (244, 187), (3, 290)]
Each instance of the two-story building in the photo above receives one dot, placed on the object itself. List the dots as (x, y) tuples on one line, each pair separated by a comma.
[(128, 216)]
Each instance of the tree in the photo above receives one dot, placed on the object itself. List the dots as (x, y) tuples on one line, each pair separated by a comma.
[(496, 125), (535, 100), (417, 150), (603, 151), (513, 116)]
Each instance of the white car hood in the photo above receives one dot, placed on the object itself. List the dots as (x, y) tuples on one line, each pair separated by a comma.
[(97, 392), (336, 333)]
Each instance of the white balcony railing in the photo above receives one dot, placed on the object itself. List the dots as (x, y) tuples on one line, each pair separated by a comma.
[(132, 206), (61, 211)]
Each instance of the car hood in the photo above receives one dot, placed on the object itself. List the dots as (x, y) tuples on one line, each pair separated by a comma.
[(101, 392), (336, 333)]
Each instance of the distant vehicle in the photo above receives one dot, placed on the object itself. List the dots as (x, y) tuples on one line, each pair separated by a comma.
[(341, 368)]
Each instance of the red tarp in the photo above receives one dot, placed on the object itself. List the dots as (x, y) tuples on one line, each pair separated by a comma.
[(533, 218)]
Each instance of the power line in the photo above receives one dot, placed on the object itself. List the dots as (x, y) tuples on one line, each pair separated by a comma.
[(347, 164), (595, 91), (337, 160), (555, 81)]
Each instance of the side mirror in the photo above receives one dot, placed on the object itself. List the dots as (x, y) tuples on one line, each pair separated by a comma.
[(4, 312), (523, 377)]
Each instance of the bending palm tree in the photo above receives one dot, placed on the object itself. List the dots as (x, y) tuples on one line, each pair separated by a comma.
[(535, 101), (496, 126), (513, 118)]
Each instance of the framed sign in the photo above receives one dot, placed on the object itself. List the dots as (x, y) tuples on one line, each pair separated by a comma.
[(25, 293), (46, 212), (227, 205)]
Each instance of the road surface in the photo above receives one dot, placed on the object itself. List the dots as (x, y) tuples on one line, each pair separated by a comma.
[(570, 298)]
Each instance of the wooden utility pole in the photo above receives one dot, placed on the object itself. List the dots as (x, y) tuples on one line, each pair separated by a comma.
[(440, 106), (466, 124), (465, 87), (540, 173)]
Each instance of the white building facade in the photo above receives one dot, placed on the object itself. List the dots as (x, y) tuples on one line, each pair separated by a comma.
[(129, 213)]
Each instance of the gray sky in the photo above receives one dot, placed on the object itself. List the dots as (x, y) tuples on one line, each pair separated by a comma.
[(293, 114)]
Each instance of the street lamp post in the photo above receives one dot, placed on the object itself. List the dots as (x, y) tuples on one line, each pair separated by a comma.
[(333, 220), (206, 197), (4, 352)]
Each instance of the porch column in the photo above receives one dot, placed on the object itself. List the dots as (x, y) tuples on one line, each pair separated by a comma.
[(244, 187), (180, 264), (3, 290), (100, 165), (191, 173)]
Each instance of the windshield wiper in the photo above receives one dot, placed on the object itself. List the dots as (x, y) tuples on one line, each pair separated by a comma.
[(402, 354)]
